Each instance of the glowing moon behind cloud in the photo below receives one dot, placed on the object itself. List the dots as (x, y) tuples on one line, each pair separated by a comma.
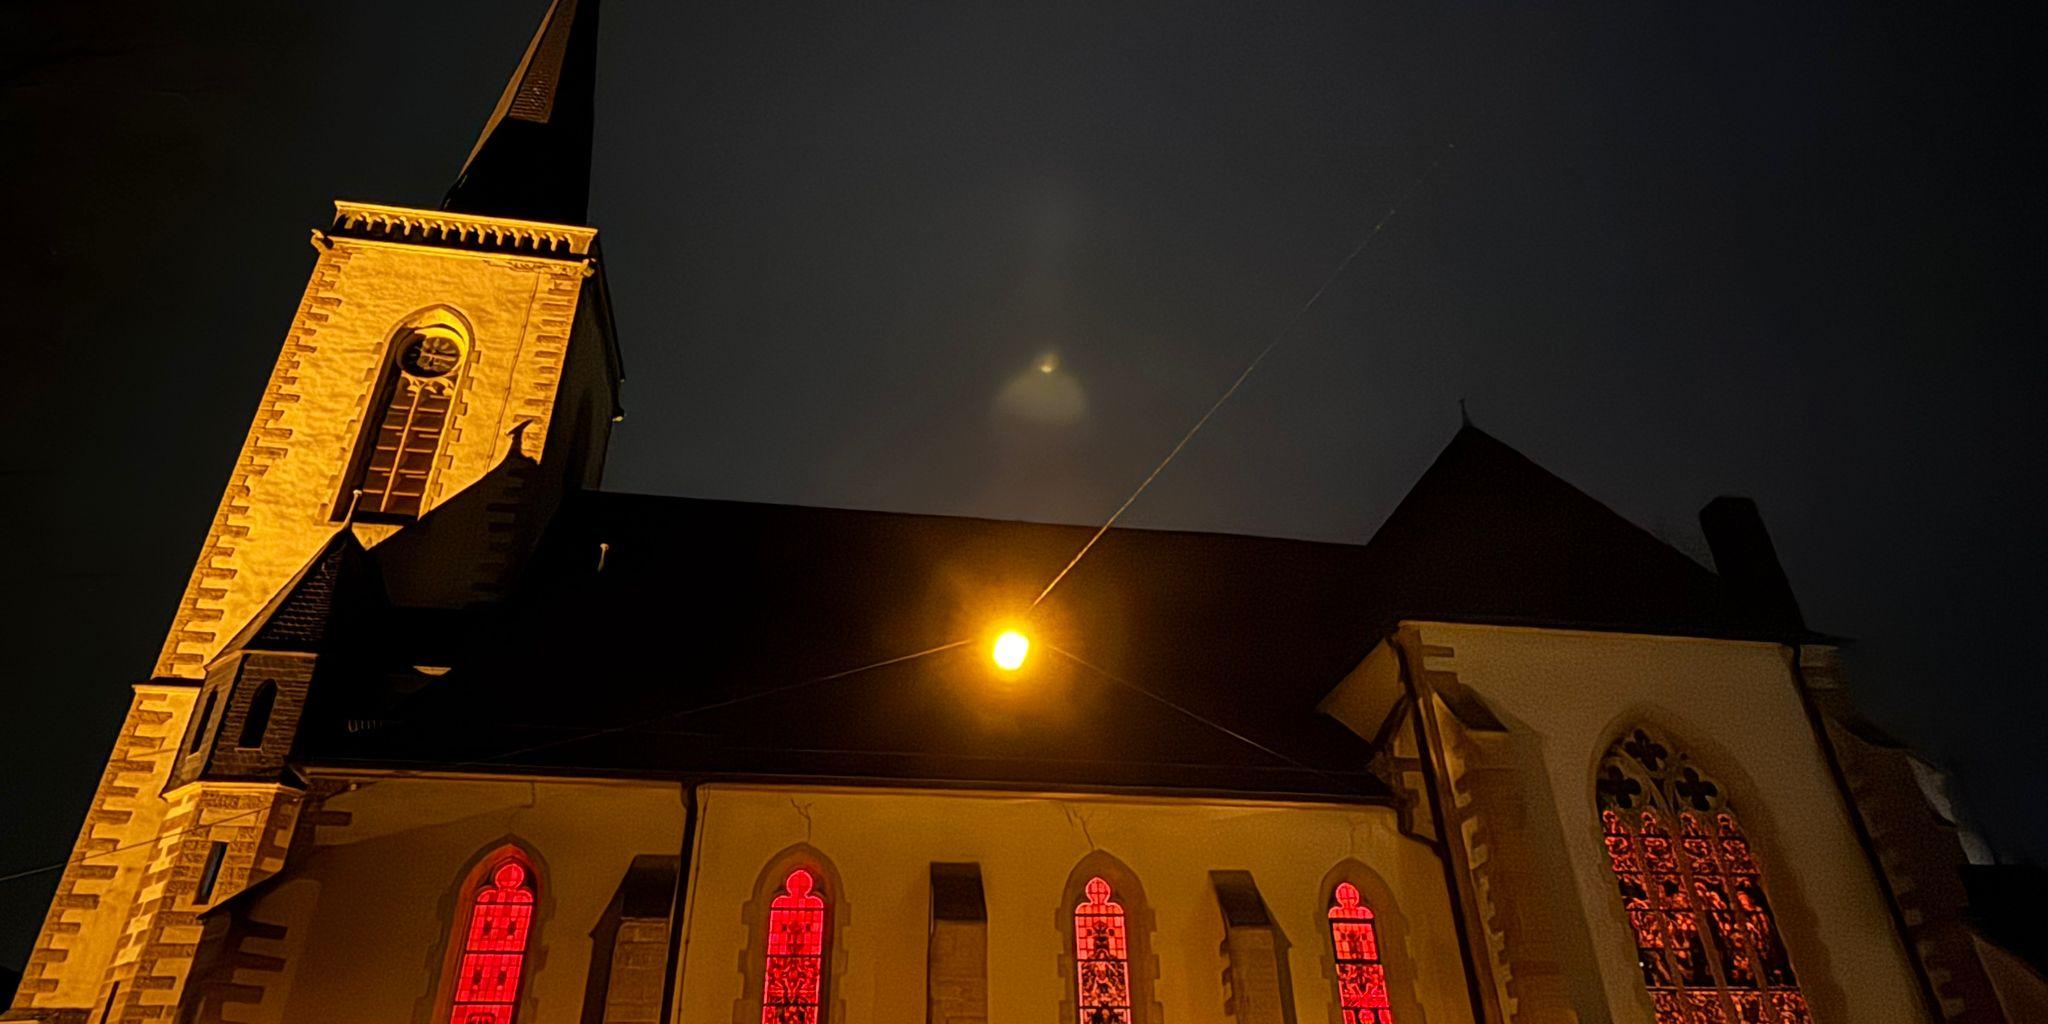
[(1043, 394)]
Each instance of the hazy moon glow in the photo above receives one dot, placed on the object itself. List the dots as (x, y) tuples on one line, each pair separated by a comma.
[(1044, 395)]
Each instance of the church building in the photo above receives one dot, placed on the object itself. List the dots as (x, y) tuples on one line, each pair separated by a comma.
[(444, 733)]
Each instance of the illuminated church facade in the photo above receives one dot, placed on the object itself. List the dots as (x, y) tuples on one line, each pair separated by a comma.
[(443, 733)]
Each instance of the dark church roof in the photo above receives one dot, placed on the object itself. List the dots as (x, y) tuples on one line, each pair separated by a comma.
[(686, 637), (302, 612), (1487, 535)]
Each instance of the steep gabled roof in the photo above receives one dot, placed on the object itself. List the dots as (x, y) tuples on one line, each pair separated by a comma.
[(300, 616), (1487, 535), (689, 637)]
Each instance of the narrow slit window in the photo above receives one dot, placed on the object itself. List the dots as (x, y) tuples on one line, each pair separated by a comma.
[(494, 941), (1707, 942), (209, 875), (203, 722), (1361, 977), (793, 989), (1102, 957), (256, 720)]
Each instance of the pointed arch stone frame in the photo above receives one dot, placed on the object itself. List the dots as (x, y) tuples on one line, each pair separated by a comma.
[(383, 378), (1390, 927), (452, 920), (1798, 928), (753, 963), (1139, 923)]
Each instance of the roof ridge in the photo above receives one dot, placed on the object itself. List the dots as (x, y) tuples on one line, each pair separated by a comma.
[(602, 495)]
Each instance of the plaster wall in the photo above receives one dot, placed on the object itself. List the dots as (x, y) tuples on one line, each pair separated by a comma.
[(371, 906), (881, 844), (1736, 708)]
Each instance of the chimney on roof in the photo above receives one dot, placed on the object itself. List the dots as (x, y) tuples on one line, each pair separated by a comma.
[(1747, 560)]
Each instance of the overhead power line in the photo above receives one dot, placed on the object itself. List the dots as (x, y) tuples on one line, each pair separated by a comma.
[(1202, 421), (1293, 321), (586, 735)]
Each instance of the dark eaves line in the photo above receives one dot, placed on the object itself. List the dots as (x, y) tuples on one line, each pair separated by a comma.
[(1211, 723), (506, 755)]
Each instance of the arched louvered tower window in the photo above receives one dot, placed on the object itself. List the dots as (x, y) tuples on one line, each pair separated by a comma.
[(1706, 939), (410, 416), (498, 922), (1361, 978), (793, 989), (1102, 957)]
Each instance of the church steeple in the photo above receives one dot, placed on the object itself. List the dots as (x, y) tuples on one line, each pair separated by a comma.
[(532, 161)]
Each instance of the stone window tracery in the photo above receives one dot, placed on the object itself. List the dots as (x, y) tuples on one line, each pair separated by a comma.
[(409, 418), (1361, 977), (494, 945), (794, 986), (1102, 958), (1706, 939)]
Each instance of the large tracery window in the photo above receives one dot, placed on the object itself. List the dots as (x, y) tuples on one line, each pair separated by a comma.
[(1102, 957), (1361, 978), (793, 991), (409, 419), (1706, 939), (494, 946)]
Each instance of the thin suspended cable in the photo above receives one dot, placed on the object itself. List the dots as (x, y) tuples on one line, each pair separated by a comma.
[(1203, 420), (151, 841), (683, 713), (1198, 717), (496, 758), (1288, 328), (713, 706)]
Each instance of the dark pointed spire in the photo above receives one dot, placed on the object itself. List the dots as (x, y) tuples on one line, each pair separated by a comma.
[(533, 160)]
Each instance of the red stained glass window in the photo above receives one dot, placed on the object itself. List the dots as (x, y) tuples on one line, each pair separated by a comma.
[(795, 979), (494, 947), (1102, 958), (1706, 940), (1361, 978)]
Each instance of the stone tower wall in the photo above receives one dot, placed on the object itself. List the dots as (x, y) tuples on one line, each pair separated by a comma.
[(286, 494)]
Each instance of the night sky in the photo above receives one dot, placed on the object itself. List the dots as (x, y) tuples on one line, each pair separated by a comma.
[(1785, 250)]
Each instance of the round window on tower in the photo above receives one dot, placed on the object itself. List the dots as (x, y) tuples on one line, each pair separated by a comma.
[(429, 354)]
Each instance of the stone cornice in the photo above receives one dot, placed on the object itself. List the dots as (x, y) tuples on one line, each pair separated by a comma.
[(461, 230)]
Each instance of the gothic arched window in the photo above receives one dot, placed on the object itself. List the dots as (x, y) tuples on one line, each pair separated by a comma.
[(1361, 978), (409, 417), (1706, 939), (499, 920), (1102, 957), (794, 986)]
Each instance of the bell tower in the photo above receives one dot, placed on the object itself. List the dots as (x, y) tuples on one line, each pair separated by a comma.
[(448, 376)]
